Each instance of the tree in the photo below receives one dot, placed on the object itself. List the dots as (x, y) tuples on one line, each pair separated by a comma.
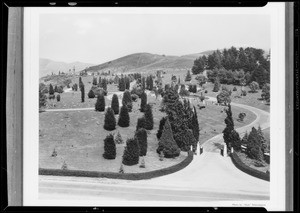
[(227, 132), (224, 97), (216, 85), (201, 79), (91, 94), (235, 140), (124, 118), (109, 147), (115, 104), (195, 125), (82, 92), (198, 66), (242, 115), (100, 104), (245, 139), (51, 90), (118, 138), (122, 85), (131, 152), (141, 135), (148, 117), (265, 95), (58, 97), (254, 146), (167, 144), (109, 120), (254, 86), (161, 127), (262, 139), (188, 76), (143, 101), (127, 100), (140, 123), (95, 81), (42, 99)]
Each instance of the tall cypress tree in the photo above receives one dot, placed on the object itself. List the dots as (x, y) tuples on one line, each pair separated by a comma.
[(131, 152), (109, 147), (262, 139), (148, 117), (115, 104), (254, 146), (100, 104), (141, 135), (140, 123), (229, 127), (127, 100), (109, 120), (124, 119), (195, 127), (51, 90), (94, 81), (161, 127), (82, 92), (143, 101)]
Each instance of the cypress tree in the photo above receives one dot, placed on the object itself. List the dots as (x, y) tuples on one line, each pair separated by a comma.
[(143, 101), (195, 125), (51, 90), (161, 127), (104, 84), (55, 88), (131, 152), (109, 120), (141, 135), (254, 146), (122, 85), (58, 97), (115, 104), (216, 85), (245, 139), (94, 81), (124, 119), (127, 100), (140, 123), (167, 143), (82, 92), (262, 139), (148, 117), (109, 147), (91, 94), (100, 104), (127, 83), (227, 132)]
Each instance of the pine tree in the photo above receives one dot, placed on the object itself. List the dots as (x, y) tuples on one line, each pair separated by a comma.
[(82, 92), (118, 138), (55, 88), (148, 117), (235, 140), (143, 101), (262, 139), (124, 119), (141, 135), (254, 146), (188, 76), (109, 147), (229, 127), (100, 104), (131, 152), (195, 125), (109, 120), (140, 123), (245, 139), (127, 83), (167, 143), (94, 81), (58, 98), (91, 94), (161, 127), (51, 90), (115, 104), (104, 84), (127, 100)]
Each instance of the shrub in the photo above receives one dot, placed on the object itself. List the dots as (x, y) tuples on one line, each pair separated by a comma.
[(167, 144), (109, 120), (244, 93), (254, 86), (109, 147), (60, 89), (64, 166), (54, 153), (131, 152), (124, 118), (143, 101), (242, 115), (141, 135), (161, 127), (118, 138), (148, 117), (58, 98), (141, 123), (100, 104), (95, 81), (115, 104), (234, 89), (82, 92), (91, 94)]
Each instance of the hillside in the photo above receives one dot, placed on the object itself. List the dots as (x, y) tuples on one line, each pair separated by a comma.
[(48, 66)]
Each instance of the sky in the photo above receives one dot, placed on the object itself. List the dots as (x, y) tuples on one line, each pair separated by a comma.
[(98, 38)]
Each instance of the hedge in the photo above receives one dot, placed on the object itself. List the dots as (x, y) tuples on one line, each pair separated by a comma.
[(250, 171), (115, 175)]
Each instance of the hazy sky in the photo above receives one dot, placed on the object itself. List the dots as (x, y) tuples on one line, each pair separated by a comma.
[(97, 38)]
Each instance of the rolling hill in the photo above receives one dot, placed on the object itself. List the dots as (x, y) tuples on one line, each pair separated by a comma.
[(48, 66)]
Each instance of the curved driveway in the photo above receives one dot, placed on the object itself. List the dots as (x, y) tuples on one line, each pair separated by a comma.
[(209, 177)]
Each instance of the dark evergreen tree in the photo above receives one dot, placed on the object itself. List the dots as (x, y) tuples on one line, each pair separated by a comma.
[(262, 140), (100, 104), (127, 100), (109, 147), (55, 88), (161, 127), (141, 135), (115, 104), (188, 76), (140, 123), (227, 132), (195, 125), (131, 152), (124, 119), (143, 101), (216, 85), (94, 81), (198, 66), (51, 90), (167, 144), (109, 120), (254, 146), (245, 139), (148, 117), (58, 97), (235, 140), (91, 94), (127, 83), (122, 85), (82, 92)]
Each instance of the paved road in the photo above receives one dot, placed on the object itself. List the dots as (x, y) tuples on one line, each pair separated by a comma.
[(209, 177)]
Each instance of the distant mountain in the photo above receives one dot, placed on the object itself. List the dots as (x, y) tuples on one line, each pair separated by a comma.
[(141, 62), (48, 66)]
